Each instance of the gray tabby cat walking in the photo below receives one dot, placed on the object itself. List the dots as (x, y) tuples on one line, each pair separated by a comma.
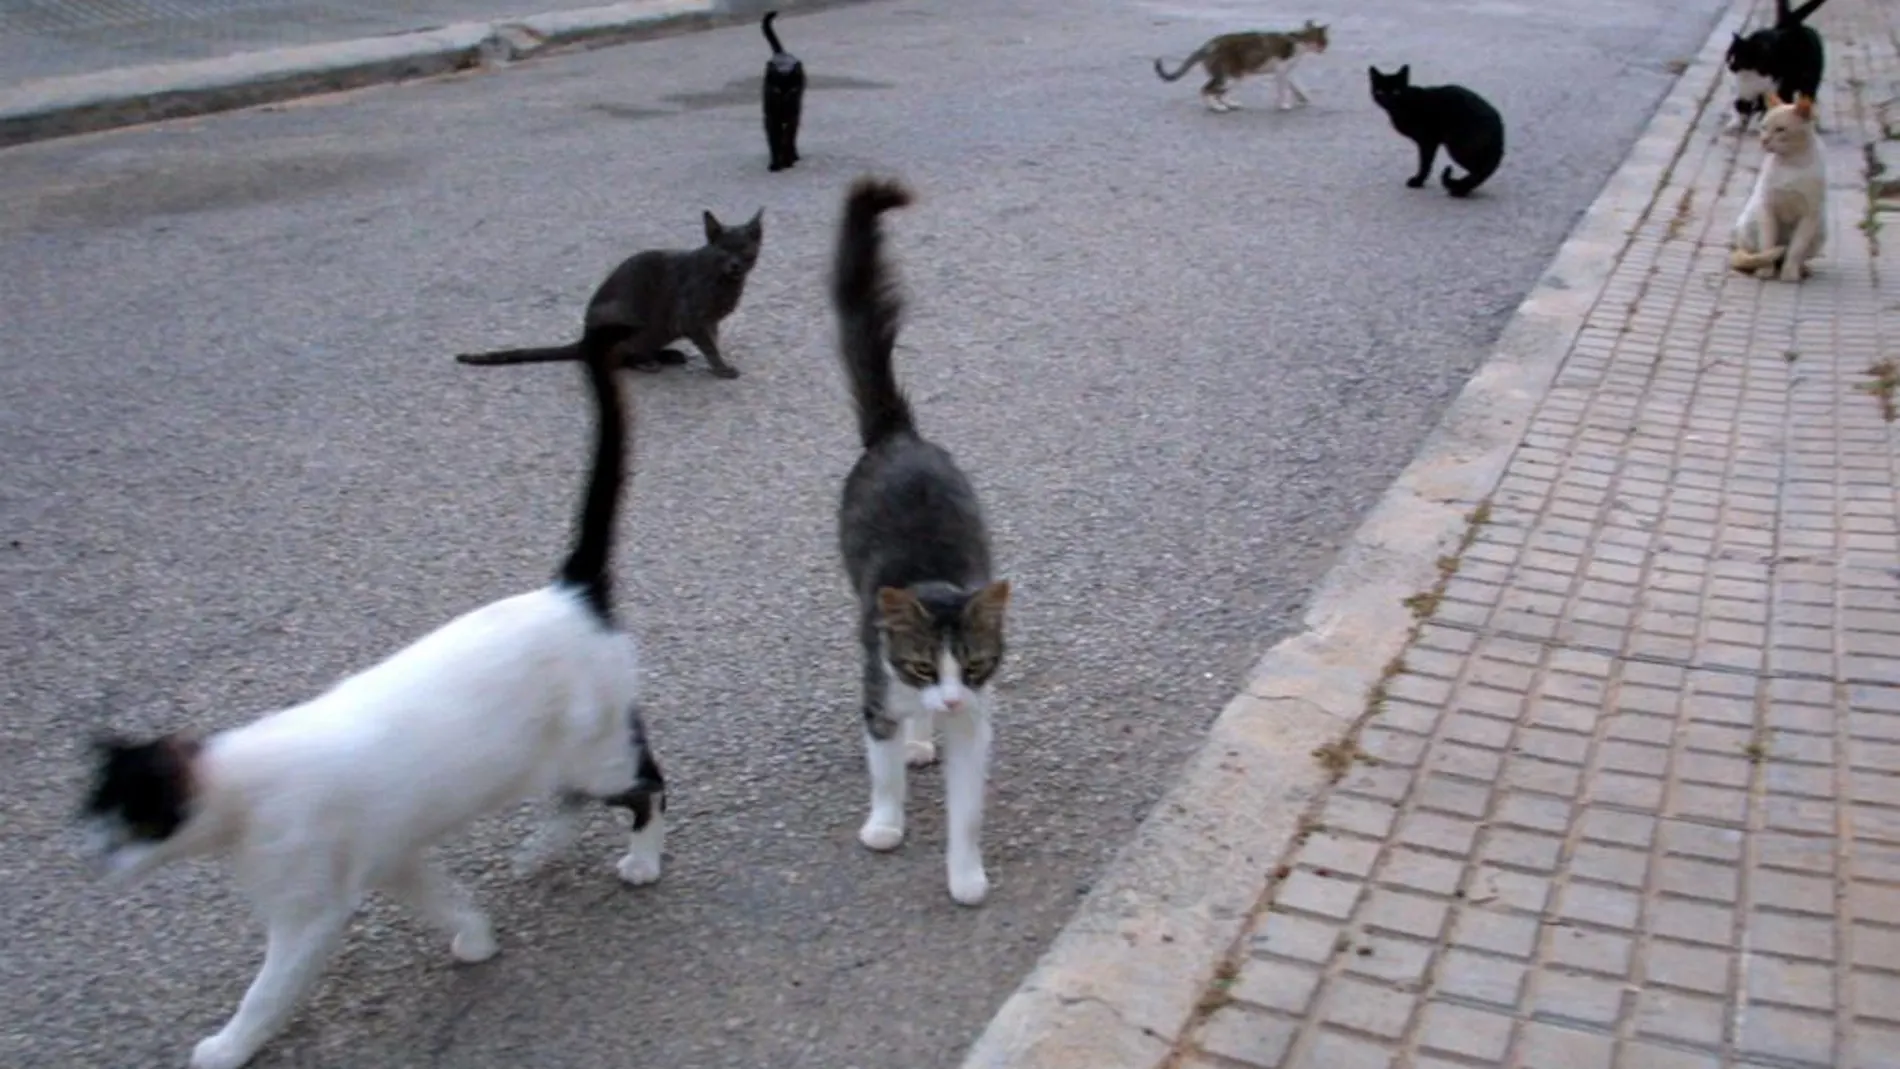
[(1229, 57), (917, 553), (664, 295)]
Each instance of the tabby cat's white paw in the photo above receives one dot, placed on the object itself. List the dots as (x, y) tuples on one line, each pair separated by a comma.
[(920, 752), (970, 886), (475, 943), (880, 836), (638, 869), (217, 1052)]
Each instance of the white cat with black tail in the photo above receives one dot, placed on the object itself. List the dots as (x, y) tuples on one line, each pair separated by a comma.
[(916, 550), (321, 803)]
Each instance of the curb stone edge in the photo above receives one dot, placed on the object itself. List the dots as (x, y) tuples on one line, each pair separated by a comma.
[(131, 96), (1119, 985)]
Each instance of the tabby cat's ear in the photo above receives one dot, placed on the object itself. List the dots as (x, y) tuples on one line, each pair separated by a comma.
[(985, 609), (713, 229), (898, 607)]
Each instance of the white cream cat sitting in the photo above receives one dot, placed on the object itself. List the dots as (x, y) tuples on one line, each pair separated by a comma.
[(1784, 224), (319, 804)]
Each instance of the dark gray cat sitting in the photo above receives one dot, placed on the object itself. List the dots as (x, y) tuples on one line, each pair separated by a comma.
[(917, 552), (663, 295)]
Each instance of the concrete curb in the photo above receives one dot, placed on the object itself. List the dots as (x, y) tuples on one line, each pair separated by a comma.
[(62, 107), (1120, 985)]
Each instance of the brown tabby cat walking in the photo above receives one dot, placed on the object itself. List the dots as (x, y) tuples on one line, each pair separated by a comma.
[(1232, 56)]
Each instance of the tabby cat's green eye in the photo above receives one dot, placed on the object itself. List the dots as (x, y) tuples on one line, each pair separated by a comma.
[(922, 669)]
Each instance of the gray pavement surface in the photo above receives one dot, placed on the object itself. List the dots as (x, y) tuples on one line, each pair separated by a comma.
[(59, 38), (1181, 353)]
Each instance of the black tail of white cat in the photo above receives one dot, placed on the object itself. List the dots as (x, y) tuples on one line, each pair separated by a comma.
[(546, 355), (586, 565), (1785, 17), (866, 299), (770, 37)]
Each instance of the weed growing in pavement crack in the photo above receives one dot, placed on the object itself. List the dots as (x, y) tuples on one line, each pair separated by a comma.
[(1886, 379), (1685, 210)]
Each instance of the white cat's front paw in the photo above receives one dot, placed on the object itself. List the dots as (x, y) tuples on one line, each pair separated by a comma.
[(881, 835), (920, 752), (474, 943), (219, 1052), (1792, 273), (969, 885), (639, 869)]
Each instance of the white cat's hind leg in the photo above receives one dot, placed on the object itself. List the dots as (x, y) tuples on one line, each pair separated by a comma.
[(446, 905), (1801, 247), (560, 826), (966, 757), (300, 944), (920, 748)]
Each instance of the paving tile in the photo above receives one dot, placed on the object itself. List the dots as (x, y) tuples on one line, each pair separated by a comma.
[(1245, 1035), (1374, 1009), (1482, 977), (1276, 985), (1550, 1046), (1461, 1030)]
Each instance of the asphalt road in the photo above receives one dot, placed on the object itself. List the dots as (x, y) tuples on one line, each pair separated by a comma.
[(1181, 354)]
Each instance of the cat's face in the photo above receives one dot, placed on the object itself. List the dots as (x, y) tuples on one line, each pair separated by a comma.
[(141, 796), (942, 642), (1749, 53), (738, 245), (1389, 88), (1311, 37), (1787, 128)]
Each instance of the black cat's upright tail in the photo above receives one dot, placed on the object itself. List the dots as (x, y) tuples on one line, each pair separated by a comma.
[(586, 565), (546, 355), (770, 37), (868, 306)]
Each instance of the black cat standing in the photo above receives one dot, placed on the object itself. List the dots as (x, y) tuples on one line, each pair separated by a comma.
[(784, 99), (1787, 57), (1469, 128)]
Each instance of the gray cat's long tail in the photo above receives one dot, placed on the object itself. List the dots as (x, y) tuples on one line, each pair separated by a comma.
[(1187, 64), (866, 299), (546, 355)]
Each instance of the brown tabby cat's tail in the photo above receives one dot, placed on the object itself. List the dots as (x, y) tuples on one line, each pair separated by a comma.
[(548, 355), (866, 300), (1197, 56)]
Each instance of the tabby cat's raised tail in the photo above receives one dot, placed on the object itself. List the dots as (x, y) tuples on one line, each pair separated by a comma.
[(866, 299), (1187, 64), (548, 355), (586, 565)]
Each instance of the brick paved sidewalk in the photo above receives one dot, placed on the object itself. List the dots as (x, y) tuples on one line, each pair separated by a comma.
[(1632, 799)]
